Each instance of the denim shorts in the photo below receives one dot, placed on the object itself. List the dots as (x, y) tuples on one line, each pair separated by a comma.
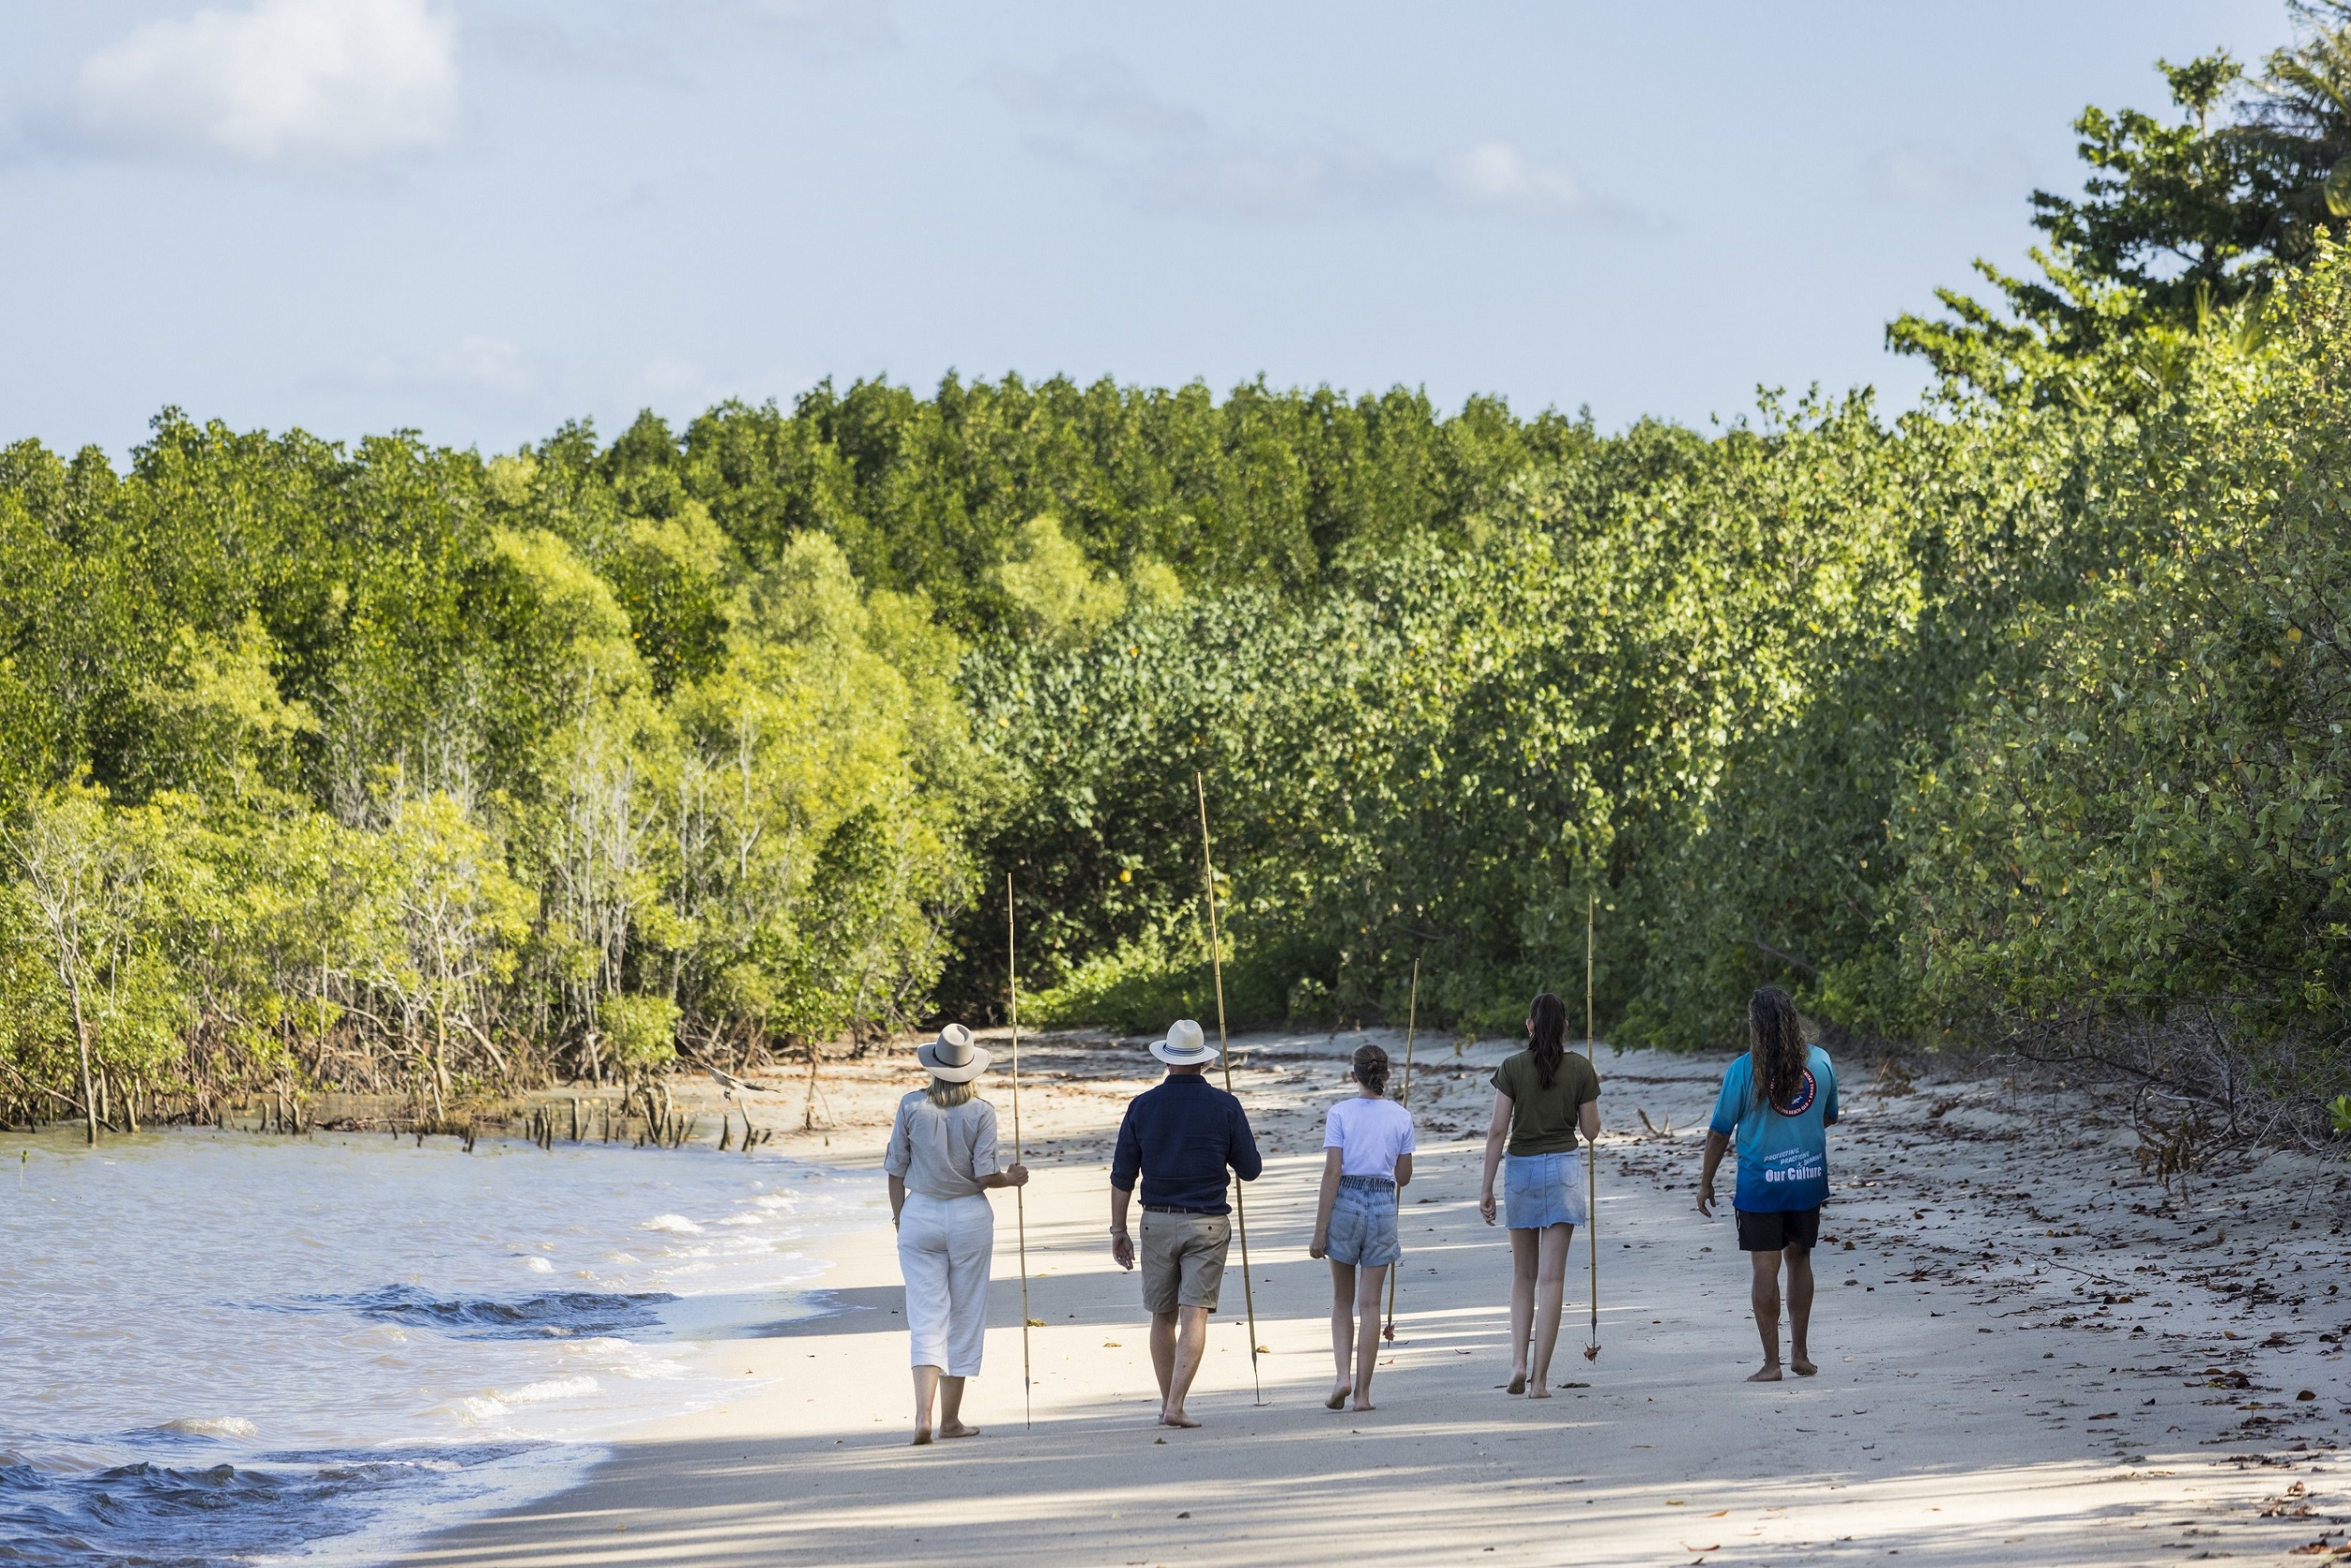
[(1541, 1190), (1364, 1223)]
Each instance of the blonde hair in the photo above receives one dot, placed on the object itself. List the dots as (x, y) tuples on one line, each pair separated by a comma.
[(947, 1096)]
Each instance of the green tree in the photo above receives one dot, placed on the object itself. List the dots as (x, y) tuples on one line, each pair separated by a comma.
[(2178, 220), (83, 883)]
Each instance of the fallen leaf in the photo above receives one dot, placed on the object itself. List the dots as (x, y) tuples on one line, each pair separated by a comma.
[(1718, 1514), (1036, 1322), (1112, 1345)]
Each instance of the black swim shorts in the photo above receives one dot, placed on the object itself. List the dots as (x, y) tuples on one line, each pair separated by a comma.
[(1796, 1227)]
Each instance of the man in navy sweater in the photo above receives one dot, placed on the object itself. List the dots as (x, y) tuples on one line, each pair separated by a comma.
[(1180, 1138)]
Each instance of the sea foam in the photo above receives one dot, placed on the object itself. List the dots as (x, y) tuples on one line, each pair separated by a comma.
[(211, 1427)]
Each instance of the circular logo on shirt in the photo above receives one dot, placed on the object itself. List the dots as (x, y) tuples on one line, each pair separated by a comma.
[(1805, 1097)]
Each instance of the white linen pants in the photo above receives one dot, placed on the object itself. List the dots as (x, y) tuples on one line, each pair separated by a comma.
[(944, 1246)]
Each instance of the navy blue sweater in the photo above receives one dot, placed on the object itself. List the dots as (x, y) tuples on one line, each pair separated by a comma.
[(1181, 1137)]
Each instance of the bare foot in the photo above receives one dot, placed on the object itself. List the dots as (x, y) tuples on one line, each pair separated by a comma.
[(1517, 1382), (1538, 1392), (1176, 1418), (922, 1437), (1338, 1399), (1771, 1373), (957, 1429), (1363, 1405), (1802, 1366)]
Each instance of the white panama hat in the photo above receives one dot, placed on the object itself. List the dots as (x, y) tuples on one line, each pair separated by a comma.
[(1185, 1046), (952, 1058)]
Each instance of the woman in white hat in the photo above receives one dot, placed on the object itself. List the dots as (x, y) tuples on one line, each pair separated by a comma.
[(941, 1160)]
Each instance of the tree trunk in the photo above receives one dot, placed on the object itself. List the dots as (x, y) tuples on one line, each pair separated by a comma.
[(439, 1067), (808, 1111), (81, 1034)]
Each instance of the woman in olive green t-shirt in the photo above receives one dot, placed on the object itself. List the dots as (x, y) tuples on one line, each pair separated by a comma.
[(1541, 1097)]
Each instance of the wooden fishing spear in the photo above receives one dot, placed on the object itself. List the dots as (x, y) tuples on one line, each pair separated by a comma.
[(1591, 1155), (1217, 968), (1019, 1205), (1411, 1017)]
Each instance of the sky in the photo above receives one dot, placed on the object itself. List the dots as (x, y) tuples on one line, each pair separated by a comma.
[(480, 218)]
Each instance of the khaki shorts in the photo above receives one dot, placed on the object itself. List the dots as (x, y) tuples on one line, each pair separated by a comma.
[(1183, 1260)]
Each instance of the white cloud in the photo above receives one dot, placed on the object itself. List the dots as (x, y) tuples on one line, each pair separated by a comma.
[(486, 371), (1496, 175), (1911, 174), (474, 363), (284, 81), (672, 377), (1090, 111), (840, 26)]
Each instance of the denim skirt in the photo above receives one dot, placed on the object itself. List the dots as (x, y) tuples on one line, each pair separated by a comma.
[(1364, 1223), (1539, 1190)]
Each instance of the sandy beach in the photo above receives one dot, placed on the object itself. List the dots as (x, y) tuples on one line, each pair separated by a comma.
[(2029, 1354)]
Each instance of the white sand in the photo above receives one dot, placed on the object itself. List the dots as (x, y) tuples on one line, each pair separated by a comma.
[(1979, 1399)]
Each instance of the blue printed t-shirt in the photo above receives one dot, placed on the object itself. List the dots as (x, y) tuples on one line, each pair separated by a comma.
[(1783, 1155)]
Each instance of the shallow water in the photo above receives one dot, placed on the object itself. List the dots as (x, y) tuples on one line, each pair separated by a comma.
[(222, 1348)]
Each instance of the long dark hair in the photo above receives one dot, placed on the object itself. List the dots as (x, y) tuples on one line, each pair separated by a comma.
[(1549, 1016), (1776, 1043), (1370, 1068)]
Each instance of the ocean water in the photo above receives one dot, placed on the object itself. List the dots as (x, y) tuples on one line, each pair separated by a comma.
[(221, 1348)]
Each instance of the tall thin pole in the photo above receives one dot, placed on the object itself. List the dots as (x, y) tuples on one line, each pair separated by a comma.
[(1411, 1018), (1591, 1155), (1020, 1204), (1217, 968)]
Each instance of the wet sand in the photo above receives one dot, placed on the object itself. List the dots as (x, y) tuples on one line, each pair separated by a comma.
[(2029, 1354)]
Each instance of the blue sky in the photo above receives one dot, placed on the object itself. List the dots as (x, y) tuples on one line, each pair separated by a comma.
[(478, 218)]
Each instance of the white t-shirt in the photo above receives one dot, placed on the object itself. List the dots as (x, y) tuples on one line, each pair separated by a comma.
[(1370, 1133)]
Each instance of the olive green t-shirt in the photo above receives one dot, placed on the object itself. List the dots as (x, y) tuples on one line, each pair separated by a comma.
[(1543, 1121)]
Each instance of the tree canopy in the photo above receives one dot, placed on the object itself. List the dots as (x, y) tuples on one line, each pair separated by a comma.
[(2016, 719), (2180, 219)]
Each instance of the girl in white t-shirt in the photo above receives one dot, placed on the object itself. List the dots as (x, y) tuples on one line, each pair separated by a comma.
[(1367, 1160)]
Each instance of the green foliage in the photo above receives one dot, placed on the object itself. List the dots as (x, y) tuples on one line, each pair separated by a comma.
[(1609, 693), (933, 495), (2144, 812), (2178, 221), (389, 766), (1059, 595), (1142, 987), (643, 1032), (413, 773)]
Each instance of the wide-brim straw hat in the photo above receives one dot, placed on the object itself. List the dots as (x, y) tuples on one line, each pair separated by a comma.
[(1186, 1046), (952, 1058)]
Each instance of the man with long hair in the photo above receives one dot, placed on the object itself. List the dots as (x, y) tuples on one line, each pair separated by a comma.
[(1779, 1100)]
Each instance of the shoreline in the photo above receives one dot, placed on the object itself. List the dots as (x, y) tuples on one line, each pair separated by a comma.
[(2028, 1355), (340, 1343)]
